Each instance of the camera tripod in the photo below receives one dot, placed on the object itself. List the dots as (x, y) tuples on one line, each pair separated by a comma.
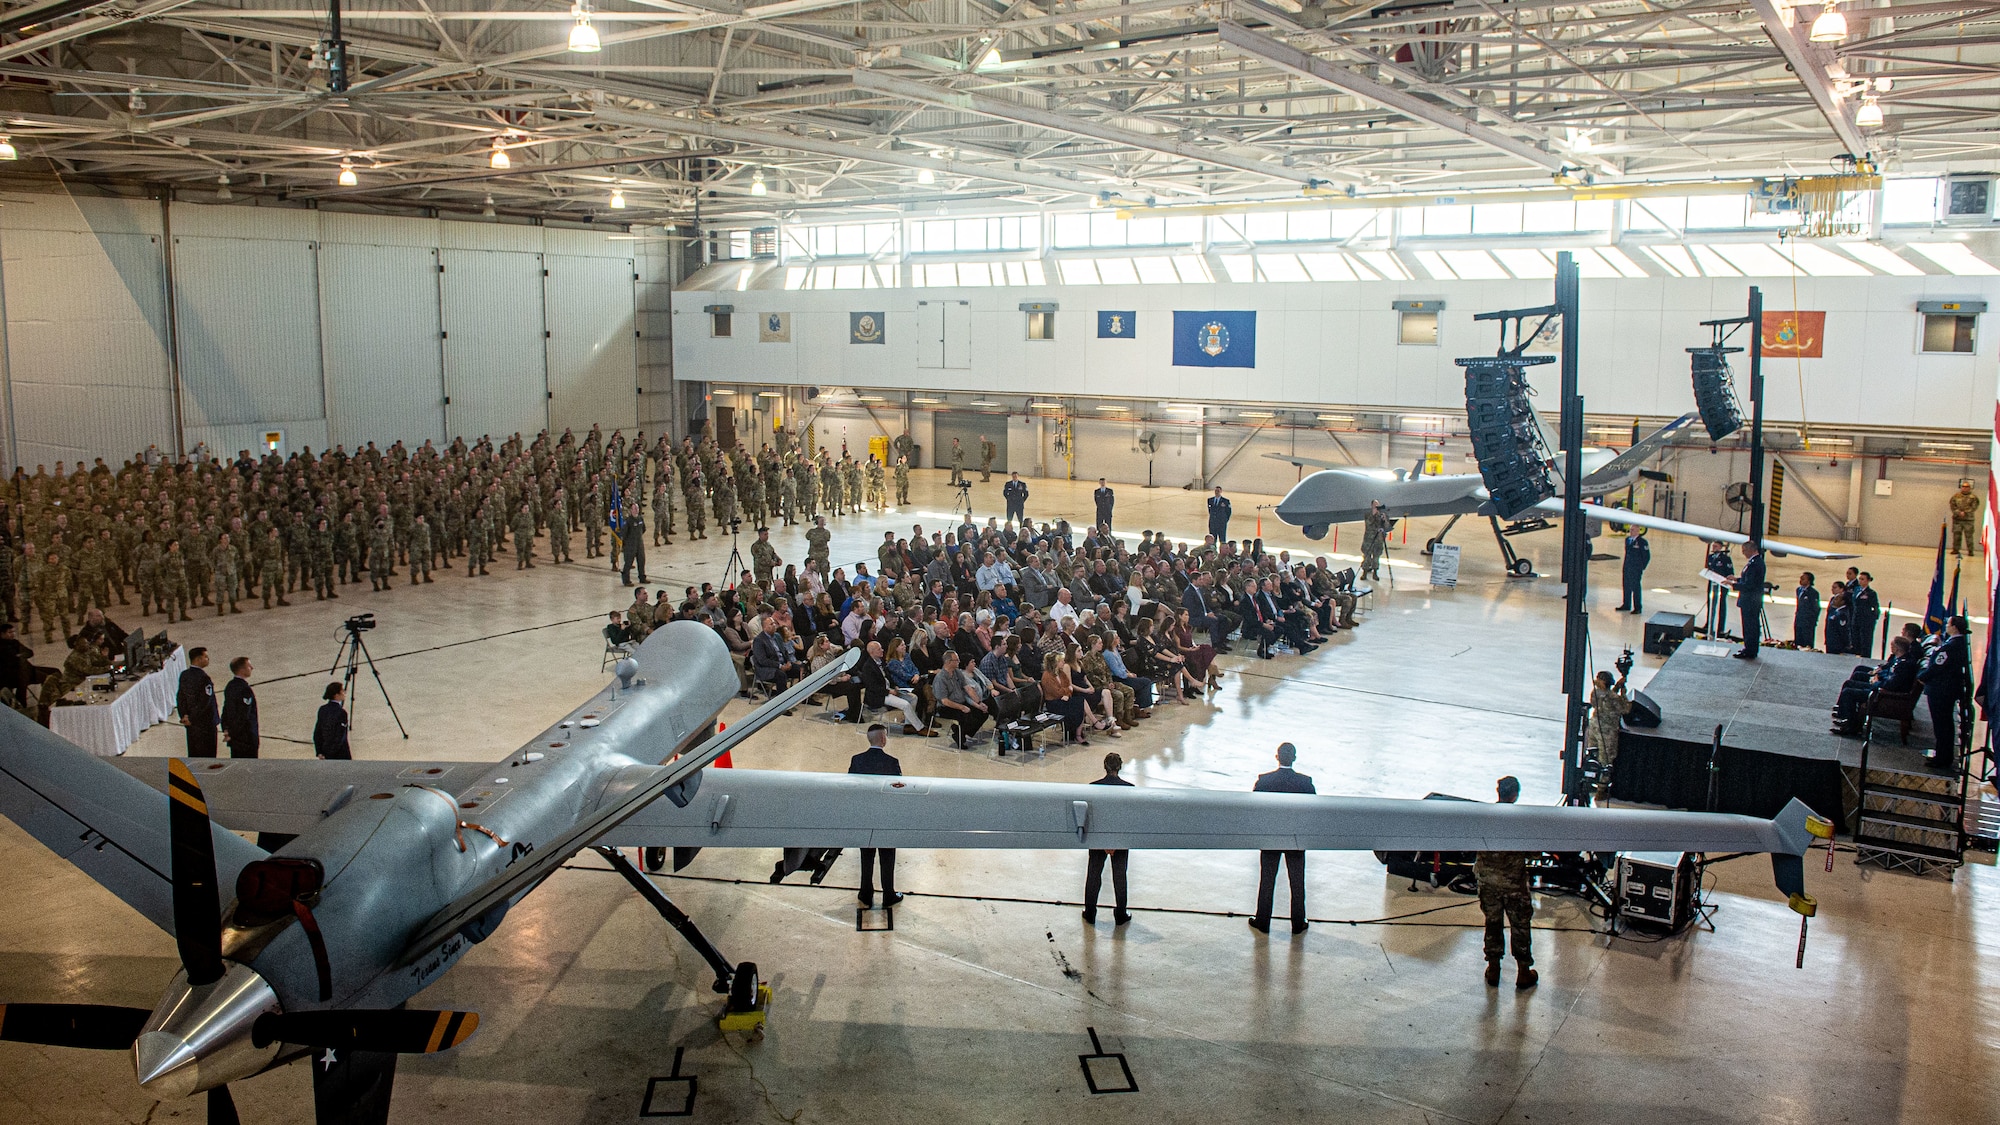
[(353, 650), (964, 501), (734, 566)]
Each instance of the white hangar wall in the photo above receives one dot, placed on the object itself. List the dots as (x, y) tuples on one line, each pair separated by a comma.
[(328, 327), (1335, 344)]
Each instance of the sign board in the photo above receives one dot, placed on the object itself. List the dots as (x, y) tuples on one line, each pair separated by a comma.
[(273, 439), (1444, 565), (1433, 464)]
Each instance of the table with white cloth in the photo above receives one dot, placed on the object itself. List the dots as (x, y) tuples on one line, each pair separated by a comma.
[(106, 729)]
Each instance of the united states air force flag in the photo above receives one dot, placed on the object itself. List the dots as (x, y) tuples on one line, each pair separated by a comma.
[(1117, 324), (1215, 339)]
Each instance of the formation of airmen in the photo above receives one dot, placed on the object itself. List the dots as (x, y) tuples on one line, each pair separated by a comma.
[(200, 532)]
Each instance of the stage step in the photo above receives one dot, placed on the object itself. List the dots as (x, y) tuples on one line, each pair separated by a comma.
[(1922, 796), (1866, 844), (1915, 823)]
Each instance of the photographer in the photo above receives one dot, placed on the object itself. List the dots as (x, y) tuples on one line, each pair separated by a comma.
[(1608, 707)]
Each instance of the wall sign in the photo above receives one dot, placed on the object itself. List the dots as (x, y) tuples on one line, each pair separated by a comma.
[(1117, 324), (866, 328), (1800, 334), (774, 328)]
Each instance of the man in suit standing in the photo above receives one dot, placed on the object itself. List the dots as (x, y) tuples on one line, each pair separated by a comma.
[(1015, 492), (239, 710), (1201, 615), (1284, 779), (1638, 553), (877, 760), (1104, 498), (1218, 516), (1750, 600), (1093, 879), (196, 703)]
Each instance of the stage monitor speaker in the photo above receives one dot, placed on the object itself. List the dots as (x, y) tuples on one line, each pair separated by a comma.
[(1715, 392), (1644, 712), (1665, 631)]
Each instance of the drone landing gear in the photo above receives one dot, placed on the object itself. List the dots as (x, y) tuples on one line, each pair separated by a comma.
[(677, 918), (1517, 566), (1431, 544), (749, 1003)]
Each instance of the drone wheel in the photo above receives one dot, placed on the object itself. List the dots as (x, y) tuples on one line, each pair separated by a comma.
[(1522, 568)]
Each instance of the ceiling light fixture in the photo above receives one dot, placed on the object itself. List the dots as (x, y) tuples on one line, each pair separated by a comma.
[(982, 402), (347, 176), (1830, 27), (499, 159), (991, 58), (1111, 406), (770, 394), (617, 199), (222, 191), (1869, 116), (926, 176), (1046, 405), (486, 208), (7, 150), (926, 401), (583, 37), (757, 183)]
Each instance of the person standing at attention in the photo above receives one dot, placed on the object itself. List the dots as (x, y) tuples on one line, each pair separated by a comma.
[(1093, 879), (1638, 553), (877, 760), (1218, 515), (196, 703), (1284, 779), (1750, 601), (239, 710), (330, 731), (1504, 898), (1104, 498), (1805, 619)]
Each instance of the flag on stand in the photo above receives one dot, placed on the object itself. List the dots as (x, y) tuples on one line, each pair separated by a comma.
[(617, 520), (1934, 608)]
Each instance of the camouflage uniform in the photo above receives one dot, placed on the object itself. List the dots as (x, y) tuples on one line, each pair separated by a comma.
[(1607, 709), (271, 565), (559, 529), (524, 539), (228, 577), (174, 583), (52, 598), (817, 553), (320, 548), (420, 550), (381, 553), (1504, 897)]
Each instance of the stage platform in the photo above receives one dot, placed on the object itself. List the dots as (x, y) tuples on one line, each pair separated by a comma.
[(1774, 713)]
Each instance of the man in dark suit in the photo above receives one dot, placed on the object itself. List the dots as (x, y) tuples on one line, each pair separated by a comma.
[(877, 760), (1093, 879), (1750, 600), (1258, 624), (239, 710), (1105, 498), (196, 703), (1284, 779), (1638, 554), (1015, 492), (1201, 615), (1218, 516)]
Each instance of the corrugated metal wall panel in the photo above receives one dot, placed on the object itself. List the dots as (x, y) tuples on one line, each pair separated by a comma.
[(384, 363), (79, 213), (495, 367), (584, 243), (86, 344), (377, 230), (224, 220), (249, 331), (593, 363), (462, 235)]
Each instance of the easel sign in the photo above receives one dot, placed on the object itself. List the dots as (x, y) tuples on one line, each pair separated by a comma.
[(1444, 565)]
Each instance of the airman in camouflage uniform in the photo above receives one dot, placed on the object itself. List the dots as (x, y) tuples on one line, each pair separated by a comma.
[(819, 550), (381, 553), (725, 500), (831, 494), (788, 495), (559, 526), (764, 557), (420, 549), (325, 582), (524, 538), (271, 564), (228, 576), (697, 517), (174, 582), (146, 573), (876, 496), (52, 597), (902, 480), (593, 520)]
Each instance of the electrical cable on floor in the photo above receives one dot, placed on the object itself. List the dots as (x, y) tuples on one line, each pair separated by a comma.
[(439, 648), (1386, 920)]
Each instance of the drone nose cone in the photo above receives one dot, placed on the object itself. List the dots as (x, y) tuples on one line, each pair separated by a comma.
[(167, 1067)]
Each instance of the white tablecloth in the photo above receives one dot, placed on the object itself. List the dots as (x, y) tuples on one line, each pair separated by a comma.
[(106, 729)]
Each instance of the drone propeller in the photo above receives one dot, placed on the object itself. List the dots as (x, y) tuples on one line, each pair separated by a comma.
[(355, 1065)]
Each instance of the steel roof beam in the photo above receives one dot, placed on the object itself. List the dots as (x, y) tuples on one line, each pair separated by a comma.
[(1808, 61)]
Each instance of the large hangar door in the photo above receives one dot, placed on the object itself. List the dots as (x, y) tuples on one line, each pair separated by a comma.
[(384, 366), (966, 426), (495, 366), (593, 357), (247, 310)]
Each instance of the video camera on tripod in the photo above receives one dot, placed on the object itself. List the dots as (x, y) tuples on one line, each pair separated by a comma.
[(360, 622)]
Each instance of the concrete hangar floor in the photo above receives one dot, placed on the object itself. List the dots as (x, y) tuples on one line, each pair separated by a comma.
[(979, 1003)]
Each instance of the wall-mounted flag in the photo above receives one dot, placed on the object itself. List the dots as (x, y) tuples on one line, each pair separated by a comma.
[(774, 328), (866, 328), (1788, 333), (1117, 324), (1215, 339)]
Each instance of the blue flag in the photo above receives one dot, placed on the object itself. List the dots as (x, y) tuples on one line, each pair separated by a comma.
[(1951, 607), (1215, 339), (1934, 608), (1117, 324), (1989, 674)]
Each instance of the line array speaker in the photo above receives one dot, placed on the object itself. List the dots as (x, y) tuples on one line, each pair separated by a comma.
[(1514, 462), (1715, 391)]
